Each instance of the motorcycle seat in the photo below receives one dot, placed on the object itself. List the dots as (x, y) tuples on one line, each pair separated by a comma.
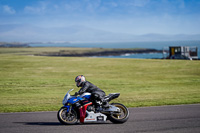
[(111, 96)]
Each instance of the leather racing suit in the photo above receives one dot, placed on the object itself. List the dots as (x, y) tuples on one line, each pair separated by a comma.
[(96, 93)]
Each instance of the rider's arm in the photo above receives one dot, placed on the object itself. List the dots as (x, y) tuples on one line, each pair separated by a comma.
[(75, 94), (83, 89)]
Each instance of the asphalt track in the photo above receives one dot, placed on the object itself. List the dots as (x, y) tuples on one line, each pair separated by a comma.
[(163, 119)]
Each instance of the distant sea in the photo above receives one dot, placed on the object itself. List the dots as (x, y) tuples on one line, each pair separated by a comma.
[(152, 45)]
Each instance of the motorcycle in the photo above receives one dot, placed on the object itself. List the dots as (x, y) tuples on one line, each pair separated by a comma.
[(80, 109)]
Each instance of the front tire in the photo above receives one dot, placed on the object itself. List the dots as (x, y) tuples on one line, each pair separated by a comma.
[(67, 118), (119, 117)]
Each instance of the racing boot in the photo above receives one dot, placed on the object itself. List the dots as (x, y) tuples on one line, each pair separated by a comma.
[(105, 104), (98, 107)]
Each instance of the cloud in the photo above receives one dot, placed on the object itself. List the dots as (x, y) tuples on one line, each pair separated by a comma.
[(9, 10), (87, 6), (138, 3), (37, 9), (93, 5), (113, 4), (181, 4)]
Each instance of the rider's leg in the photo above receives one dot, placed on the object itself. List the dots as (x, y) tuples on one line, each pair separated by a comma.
[(96, 101)]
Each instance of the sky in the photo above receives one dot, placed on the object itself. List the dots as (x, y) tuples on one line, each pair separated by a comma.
[(135, 17)]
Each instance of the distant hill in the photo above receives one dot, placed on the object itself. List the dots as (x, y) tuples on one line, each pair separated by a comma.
[(30, 33), (13, 44)]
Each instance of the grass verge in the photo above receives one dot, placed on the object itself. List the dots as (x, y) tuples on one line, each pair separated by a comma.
[(34, 83)]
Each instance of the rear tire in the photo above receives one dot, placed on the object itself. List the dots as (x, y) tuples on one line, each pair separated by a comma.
[(120, 117), (67, 118)]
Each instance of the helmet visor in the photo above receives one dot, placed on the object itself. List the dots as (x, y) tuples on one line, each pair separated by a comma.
[(77, 83)]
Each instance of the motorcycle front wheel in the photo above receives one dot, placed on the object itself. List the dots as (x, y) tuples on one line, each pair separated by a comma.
[(67, 118), (121, 116)]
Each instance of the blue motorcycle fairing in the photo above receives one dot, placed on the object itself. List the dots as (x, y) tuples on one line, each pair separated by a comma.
[(87, 96), (67, 106), (74, 100)]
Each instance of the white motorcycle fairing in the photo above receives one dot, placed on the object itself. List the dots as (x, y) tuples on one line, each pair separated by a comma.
[(95, 117)]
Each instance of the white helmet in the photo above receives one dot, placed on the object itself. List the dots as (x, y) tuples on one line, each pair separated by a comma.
[(80, 80)]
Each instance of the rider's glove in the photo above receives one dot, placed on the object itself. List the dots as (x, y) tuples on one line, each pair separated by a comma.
[(76, 93)]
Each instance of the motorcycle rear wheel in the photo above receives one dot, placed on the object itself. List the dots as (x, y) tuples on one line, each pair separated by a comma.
[(120, 117), (67, 118)]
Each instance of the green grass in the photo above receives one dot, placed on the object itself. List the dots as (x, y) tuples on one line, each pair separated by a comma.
[(34, 83)]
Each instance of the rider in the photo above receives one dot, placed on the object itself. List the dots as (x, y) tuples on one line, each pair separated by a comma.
[(96, 93)]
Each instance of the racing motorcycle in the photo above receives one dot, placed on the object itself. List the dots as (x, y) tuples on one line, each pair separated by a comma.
[(81, 109)]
